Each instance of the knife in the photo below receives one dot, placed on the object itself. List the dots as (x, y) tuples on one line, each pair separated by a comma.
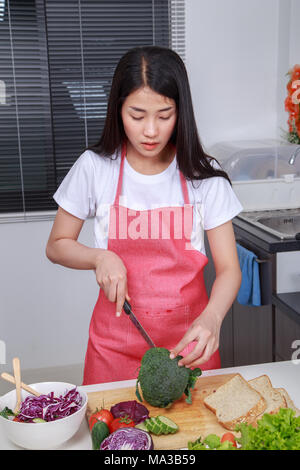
[(129, 312)]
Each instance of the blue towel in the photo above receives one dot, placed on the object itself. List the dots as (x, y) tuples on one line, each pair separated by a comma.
[(249, 293)]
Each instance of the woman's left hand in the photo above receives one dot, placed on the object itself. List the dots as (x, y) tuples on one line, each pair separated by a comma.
[(206, 331)]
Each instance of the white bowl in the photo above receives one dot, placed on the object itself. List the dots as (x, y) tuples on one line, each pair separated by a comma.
[(42, 435)]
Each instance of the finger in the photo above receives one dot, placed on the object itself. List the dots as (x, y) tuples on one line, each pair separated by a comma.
[(198, 350), (185, 340), (121, 295), (112, 289), (104, 284), (193, 355), (209, 350), (203, 358)]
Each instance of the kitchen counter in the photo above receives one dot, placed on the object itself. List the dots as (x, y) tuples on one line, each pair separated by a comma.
[(282, 374)]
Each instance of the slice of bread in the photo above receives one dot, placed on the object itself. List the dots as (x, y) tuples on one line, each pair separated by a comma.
[(274, 399), (235, 402), (289, 401)]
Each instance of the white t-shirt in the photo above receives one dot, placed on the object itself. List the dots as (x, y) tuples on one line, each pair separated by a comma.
[(89, 189)]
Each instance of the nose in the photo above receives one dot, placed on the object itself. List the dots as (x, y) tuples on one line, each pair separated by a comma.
[(150, 128)]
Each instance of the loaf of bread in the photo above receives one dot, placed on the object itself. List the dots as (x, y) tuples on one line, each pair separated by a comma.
[(236, 402), (289, 401), (274, 399)]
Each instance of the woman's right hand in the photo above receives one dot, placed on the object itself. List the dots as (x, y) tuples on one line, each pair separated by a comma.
[(111, 276)]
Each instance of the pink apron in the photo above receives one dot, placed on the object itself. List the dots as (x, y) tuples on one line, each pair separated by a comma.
[(165, 284)]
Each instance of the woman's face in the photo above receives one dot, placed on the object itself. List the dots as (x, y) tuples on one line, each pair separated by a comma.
[(149, 120)]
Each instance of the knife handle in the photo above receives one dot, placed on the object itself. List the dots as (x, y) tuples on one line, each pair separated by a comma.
[(127, 307)]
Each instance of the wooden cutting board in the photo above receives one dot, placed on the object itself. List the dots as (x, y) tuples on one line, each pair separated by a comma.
[(194, 420)]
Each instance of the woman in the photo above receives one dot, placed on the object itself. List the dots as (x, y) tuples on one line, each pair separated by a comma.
[(152, 192)]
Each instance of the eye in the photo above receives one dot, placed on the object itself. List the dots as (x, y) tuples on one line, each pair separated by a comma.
[(137, 118), (165, 118)]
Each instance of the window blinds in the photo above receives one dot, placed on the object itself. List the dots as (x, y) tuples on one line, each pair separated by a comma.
[(177, 27), (57, 61), (27, 175)]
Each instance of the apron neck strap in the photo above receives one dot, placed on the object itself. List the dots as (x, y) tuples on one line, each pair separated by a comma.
[(120, 180), (184, 188)]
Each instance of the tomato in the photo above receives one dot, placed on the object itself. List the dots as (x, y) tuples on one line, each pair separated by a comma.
[(102, 415), (121, 422), (17, 419), (228, 436)]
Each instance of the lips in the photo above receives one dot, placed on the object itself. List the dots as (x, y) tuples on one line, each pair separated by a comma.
[(149, 145)]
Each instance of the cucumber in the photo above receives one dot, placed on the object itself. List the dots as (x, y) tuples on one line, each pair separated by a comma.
[(168, 426), (142, 426), (154, 426), (99, 432), (160, 425), (38, 420)]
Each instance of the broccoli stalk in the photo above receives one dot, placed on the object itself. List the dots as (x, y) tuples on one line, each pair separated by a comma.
[(194, 374)]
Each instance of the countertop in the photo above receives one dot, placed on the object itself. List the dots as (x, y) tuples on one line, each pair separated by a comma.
[(282, 374)]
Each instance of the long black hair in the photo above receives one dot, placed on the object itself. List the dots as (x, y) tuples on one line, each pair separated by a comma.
[(162, 70)]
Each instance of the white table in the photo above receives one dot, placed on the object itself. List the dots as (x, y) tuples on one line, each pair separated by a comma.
[(284, 374)]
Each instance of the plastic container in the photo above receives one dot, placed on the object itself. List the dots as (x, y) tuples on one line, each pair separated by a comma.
[(256, 160), (261, 174)]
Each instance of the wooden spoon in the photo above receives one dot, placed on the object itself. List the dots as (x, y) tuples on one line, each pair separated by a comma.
[(17, 374), (11, 379)]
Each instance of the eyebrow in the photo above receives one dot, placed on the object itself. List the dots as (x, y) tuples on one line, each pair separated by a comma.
[(143, 110)]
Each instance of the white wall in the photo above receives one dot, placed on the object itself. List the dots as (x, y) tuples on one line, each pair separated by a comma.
[(283, 65), (45, 308), (288, 52), (238, 52), (237, 58), (294, 49)]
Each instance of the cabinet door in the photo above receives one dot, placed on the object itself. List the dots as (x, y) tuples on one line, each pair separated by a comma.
[(252, 334), (287, 336)]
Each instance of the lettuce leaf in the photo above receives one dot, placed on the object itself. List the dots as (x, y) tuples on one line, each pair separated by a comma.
[(211, 442), (280, 431), (7, 412)]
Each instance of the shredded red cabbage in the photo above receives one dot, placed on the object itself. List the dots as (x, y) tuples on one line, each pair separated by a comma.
[(49, 407), (128, 439), (133, 409)]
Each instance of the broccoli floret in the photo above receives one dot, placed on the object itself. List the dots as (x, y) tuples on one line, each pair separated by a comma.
[(162, 381)]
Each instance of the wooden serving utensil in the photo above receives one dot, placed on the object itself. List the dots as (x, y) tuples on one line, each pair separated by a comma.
[(17, 374), (11, 379)]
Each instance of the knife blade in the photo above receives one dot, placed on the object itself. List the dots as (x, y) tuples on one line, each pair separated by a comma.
[(129, 312)]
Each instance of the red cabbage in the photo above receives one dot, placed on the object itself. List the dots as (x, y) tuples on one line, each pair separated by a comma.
[(127, 439), (49, 407), (132, 409)]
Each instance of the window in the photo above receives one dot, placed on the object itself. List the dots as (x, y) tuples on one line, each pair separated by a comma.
[(57, 62)]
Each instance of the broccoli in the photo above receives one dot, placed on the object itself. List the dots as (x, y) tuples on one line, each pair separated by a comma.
[(162, 381)]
